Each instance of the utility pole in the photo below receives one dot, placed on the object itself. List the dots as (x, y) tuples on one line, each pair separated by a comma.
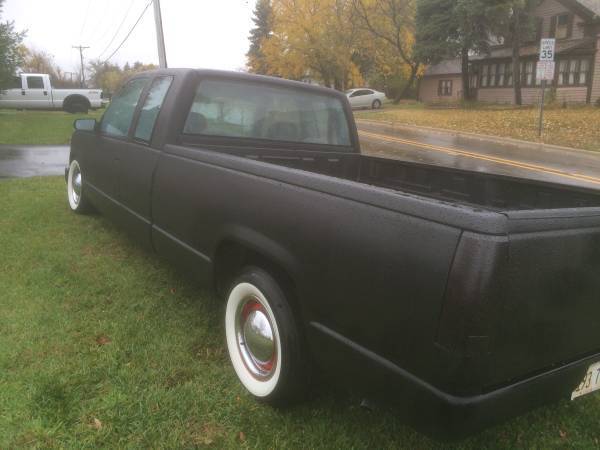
[(81, 48), (160, 38)]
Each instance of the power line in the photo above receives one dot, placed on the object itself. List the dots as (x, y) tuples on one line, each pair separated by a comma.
[(118, 30), (87, 13), (130, 31)]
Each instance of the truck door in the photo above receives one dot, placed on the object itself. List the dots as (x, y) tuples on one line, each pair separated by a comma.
[(101, 160), (37, 92), (13, 97), (137, 161)]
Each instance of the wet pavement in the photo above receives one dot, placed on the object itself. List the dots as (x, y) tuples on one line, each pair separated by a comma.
[(33, 160), (495, 155), (503, 157)]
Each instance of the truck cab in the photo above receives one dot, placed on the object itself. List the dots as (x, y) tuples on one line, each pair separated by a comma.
[(34, 91)]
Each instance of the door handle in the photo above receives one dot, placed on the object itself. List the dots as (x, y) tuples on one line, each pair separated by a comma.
[(45, 92), (22, 92)]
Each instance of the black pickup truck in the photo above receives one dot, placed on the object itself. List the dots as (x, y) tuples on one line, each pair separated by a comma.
[(468, 297)]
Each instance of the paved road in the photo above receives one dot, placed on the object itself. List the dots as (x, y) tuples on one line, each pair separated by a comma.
[(30, 161), (502, 157), (573, 167)]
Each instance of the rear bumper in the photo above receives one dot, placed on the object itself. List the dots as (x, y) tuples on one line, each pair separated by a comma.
[(428, 408)]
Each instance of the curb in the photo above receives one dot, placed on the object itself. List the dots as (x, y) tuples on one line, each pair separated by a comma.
[(481, 137)]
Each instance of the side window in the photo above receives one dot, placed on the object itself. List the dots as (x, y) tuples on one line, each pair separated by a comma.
[(35, 82), (117, 118), (16, 83), (257, 111), (151, 108)]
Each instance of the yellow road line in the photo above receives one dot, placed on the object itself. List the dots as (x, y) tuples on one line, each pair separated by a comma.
[(468, 154)]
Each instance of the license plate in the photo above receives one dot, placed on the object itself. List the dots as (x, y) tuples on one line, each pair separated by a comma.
[(590, 383)]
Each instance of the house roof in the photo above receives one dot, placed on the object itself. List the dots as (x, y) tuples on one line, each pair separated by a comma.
[(445, 67), (533, 50), (592, 5), (453, 66)]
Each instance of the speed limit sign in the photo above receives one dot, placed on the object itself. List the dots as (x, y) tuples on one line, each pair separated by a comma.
[(547, 49)]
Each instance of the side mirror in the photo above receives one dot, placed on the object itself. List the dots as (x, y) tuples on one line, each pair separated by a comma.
[(85, 124)]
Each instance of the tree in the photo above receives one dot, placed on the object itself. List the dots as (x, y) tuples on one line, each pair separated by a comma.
[(263, 26), (312, 39), (11, 56), (110, 77), (454, 28), (391, 24), (516, 23)]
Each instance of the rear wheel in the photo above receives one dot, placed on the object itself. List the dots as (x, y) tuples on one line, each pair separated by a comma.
[(376, 104), (263, 339), (77, 106), (75, 191)]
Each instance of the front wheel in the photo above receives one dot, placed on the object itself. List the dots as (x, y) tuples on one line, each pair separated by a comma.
[(75, 190), (263, 339)]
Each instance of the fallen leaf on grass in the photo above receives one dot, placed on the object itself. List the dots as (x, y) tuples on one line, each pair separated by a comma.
[(102, 340), (563, 434), (96, 424), (242, 436)]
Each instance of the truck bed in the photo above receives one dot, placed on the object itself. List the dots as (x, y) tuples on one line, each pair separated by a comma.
[(491, 192), (525, 267)]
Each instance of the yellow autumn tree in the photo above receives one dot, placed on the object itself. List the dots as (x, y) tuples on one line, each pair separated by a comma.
[(312, 39), (390, 24)]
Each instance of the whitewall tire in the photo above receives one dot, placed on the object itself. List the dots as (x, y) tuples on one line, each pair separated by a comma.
[(75, 189), (263, 339)]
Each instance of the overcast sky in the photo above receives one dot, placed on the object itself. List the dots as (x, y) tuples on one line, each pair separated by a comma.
[(198, 33)]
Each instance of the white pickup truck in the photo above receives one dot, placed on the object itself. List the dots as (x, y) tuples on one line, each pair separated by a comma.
[(34, 91)]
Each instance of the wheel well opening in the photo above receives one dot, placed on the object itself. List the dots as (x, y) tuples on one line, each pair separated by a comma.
[(76, 98), (231, 257)]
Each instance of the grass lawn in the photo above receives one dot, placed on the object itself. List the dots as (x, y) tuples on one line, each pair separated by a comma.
[(104, 345), (572, 127), (39, 127)]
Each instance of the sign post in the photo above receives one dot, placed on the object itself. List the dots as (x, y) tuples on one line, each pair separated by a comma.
[(545, 72)]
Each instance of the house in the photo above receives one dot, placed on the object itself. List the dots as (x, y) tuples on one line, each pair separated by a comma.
[(576, 26)]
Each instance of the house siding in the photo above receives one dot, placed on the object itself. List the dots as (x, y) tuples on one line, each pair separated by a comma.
[(596, 80), (428, 89), (549, 8), (496, 95), (531, 96)]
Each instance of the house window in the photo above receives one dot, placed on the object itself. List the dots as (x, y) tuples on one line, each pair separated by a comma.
[(573, 72), (528, 73), (484, 75), (508, 77), (561, 26), (584, 70), (500, 74), (445, 88), (492, 75)]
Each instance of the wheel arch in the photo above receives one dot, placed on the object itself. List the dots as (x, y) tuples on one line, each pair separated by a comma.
[(69, 99), (241, 247)]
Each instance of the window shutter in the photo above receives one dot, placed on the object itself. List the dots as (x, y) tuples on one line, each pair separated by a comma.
[(440, 88), (553, 26), (539, 28), (570, 26)]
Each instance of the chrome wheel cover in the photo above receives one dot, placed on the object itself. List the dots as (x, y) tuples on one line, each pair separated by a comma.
[(255, 338)]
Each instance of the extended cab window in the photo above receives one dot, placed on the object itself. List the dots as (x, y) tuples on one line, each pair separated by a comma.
[(117, 118), (35, 82), (256, 111), (16, 83), (151, 108)]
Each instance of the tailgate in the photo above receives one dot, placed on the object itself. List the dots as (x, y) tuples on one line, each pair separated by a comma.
[(551, 301)]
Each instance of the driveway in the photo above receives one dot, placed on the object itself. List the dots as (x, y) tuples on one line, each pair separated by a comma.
[(33, 160)]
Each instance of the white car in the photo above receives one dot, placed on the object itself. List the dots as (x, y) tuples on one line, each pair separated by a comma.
[(34, 91), (365, 98)]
